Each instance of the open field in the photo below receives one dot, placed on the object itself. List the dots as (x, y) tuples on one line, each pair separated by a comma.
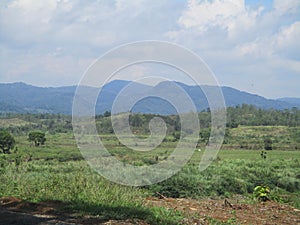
[(73, 188), (55, 175)]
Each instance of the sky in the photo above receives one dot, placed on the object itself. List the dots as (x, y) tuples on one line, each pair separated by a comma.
[(249, 45)]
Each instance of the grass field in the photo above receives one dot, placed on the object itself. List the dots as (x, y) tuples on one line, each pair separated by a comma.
[(57, 171)]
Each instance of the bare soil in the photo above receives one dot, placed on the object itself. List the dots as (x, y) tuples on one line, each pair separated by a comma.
[(209, 211), (14, 211)]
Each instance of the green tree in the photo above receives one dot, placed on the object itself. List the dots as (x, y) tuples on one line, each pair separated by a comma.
[(7, 141), (37, 137), (136, 120), (204, 135), (176, 135), (107, 114)]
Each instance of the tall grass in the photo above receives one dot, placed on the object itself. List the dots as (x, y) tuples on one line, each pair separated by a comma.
[(238, 176), (81, 190)]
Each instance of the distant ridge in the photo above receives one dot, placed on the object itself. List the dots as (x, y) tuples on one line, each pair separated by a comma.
[(24, 98), (293, 101)]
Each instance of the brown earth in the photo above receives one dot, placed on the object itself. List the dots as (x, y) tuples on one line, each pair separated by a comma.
[(210, 211), (14, 211)]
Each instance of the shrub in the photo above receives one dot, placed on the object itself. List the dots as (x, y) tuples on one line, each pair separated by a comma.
[(38, 137), (7, 141), (268, 143), (262, 193)]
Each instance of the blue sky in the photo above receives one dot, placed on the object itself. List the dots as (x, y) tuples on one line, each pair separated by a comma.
[(249, 45)]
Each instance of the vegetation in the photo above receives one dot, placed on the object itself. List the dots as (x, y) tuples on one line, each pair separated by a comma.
[(227, 177), (245, 115), (258, 158), (82, 190), (262, 193), (37, 137), (249, 115), (268, 143), (7, 141)]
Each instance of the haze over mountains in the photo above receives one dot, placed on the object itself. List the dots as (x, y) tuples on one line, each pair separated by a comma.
[(24, 98)]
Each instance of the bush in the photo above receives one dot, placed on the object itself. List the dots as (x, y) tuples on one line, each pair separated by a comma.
[(38, 137), (7, 141), (268, 143), (262, 193)]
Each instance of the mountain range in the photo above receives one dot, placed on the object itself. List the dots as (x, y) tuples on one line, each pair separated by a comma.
[(24, 98)]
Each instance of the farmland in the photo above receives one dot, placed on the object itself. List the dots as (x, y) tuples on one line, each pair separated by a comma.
[(57, 172)]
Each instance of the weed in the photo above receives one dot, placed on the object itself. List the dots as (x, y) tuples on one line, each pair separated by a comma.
[(262, 193)]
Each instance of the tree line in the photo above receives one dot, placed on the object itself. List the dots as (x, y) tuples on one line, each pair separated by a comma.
[(37, 125), (250, 115), (247, 115)]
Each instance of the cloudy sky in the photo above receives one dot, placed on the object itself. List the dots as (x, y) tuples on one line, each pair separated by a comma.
[(249, 45)]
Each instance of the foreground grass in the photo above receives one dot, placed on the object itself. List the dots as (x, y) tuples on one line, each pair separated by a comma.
[(83, 191)]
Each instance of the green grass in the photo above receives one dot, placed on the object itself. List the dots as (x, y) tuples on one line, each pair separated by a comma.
[(227, 177), (82, 191), (255, 154), (12, 122), (61, 147), (57, 172)]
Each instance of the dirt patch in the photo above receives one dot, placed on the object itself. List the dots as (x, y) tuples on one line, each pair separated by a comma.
[(208, 211), (14, 211)]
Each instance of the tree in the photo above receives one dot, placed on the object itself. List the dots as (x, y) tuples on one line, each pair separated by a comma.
[(107, 114), (136, 120), (204, 135), (37, 137), (7, 141), (176, 135)]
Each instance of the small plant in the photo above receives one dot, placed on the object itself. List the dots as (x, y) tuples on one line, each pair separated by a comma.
[(263, 154), (262, 193)]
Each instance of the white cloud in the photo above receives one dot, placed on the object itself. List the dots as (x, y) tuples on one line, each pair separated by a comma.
[(286, 6), (231, 17), (287, 41), (202, 15), (239, 41), (283, 44), (26, 20), (51, 42)]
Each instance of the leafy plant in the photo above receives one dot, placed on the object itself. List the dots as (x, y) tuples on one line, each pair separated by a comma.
[(262, 193), (263, 154)]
